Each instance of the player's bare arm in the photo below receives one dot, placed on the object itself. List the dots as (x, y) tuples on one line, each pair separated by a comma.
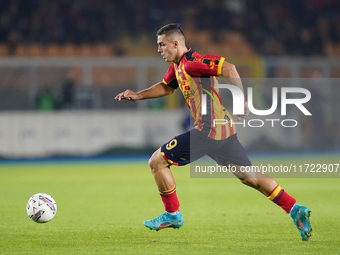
[(230, 74), (155, 91)]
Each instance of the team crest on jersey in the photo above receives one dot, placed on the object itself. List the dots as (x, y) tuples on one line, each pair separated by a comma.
[(186, 90), (186, 94), (198, 60)]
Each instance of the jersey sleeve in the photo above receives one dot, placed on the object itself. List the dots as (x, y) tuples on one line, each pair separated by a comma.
[(170, 77), (206, 65)]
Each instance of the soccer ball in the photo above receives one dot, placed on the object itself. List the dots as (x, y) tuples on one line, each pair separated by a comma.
[(41, 208)]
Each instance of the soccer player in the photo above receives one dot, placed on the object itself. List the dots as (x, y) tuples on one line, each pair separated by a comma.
[(195, 75)]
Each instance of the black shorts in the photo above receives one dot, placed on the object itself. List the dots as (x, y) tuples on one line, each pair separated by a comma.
[(192, 145)]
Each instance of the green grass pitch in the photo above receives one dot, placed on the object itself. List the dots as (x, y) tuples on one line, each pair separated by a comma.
[(101, 207)]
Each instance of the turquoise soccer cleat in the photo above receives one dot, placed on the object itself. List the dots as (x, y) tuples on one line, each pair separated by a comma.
[(300, 215), (165, 220)]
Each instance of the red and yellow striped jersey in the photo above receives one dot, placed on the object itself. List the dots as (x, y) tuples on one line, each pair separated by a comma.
[(196, 75)]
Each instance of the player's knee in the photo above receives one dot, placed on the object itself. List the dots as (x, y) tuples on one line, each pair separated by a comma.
[(152, 164), (155, 162)]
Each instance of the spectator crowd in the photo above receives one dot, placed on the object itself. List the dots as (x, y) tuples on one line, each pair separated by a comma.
[(280, 27)]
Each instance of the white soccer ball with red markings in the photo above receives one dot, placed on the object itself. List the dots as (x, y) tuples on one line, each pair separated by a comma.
[(41, 208)]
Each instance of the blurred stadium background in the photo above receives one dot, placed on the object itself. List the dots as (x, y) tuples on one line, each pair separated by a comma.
[(62, 63)]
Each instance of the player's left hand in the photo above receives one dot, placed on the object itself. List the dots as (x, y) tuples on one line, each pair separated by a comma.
[(127, 95), (246, 112)]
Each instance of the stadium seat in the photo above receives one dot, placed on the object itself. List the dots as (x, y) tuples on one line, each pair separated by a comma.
[(3, 50), (36, 50), (22, 50), (86, 50), (70, 50), (53, 50), (103, 50)]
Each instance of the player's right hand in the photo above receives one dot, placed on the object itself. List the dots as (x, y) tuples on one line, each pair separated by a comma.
[(127, 95), (246, 112)]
